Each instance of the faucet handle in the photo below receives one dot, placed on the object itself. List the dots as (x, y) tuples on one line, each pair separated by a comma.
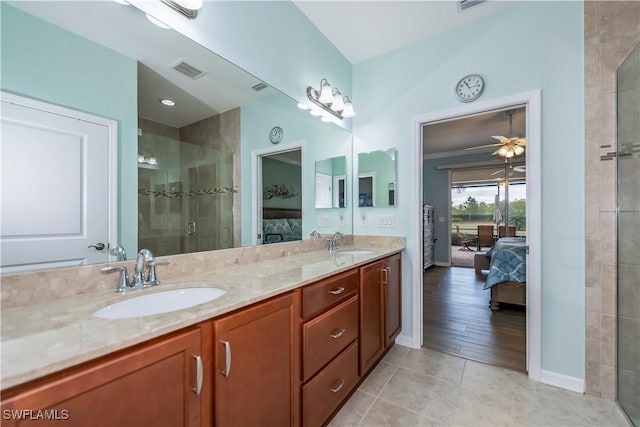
[(123, 281), (152, 278)]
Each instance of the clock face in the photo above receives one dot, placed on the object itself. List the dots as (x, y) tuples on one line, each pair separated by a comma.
[(469, 88), (276, 134)]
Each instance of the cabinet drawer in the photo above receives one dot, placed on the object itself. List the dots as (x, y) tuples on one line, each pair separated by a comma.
[(327, 390), (318, 297), (327, 335)]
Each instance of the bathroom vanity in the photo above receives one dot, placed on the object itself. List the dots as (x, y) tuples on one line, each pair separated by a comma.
[(286, 345)]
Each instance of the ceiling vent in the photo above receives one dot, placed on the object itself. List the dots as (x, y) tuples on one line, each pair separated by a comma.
[(188, 70), (466, 4), (259, 86)]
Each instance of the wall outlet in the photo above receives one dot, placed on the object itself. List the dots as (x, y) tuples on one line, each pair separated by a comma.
[(363, 219), (386, 221), (323, 221)]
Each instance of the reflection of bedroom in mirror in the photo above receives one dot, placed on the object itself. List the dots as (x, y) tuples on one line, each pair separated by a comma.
[(281, 184), (478, 197)]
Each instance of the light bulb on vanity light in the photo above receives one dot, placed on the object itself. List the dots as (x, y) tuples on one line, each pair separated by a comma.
[(348, 108), (326, 92), (190, 4), (338, 102)]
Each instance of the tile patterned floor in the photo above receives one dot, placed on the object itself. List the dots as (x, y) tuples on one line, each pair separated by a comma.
[(428, 388)]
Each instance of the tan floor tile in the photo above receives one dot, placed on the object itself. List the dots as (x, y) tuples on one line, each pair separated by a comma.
[(353, 411), (378, 378), (435, 363), (396, 354), (386, 414)]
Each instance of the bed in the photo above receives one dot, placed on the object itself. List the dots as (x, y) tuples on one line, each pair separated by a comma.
[(281, 225), (507, 272)]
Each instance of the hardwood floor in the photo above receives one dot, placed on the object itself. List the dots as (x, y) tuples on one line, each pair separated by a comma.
[(458, 321)]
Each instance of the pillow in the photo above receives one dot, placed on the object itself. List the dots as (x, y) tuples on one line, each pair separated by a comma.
[(276, 226), (296, 226)]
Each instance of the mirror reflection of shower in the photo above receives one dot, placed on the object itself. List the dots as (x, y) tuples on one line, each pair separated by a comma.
[(185, 193)]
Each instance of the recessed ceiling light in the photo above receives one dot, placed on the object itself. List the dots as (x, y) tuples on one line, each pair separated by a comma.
[(168, 102)]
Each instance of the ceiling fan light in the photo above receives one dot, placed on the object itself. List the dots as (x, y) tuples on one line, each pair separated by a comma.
[(509, 153), (326, 92), (502, 151), (518, 150)]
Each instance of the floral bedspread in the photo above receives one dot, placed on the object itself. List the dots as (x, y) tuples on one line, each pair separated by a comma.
[(508, 261)]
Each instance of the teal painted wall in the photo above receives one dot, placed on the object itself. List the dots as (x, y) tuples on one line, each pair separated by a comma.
[(45, 62), (530, 45), (318, 140), (281, 173)]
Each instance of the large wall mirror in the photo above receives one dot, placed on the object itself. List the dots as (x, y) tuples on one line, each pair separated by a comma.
[(184, 174), (377, 178)]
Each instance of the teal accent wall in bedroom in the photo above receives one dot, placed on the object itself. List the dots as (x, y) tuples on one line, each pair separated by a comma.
[(44, 62)]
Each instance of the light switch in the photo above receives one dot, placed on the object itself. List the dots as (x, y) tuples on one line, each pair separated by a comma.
[(323, 221)]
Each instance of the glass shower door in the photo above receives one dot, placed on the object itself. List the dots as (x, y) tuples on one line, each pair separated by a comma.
[(628, 167)]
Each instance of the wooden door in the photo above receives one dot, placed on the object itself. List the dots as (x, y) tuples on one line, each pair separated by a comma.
[(392, 301), (57, 188), (257, 365), (371, 315), (151, 385)]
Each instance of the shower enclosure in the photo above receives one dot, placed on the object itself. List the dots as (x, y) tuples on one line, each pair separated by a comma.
[(185, 196), (628, 180)]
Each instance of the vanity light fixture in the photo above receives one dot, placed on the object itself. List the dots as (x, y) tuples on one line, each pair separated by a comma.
[(330, 100), (168, 102), (157, 22), (188, 8)]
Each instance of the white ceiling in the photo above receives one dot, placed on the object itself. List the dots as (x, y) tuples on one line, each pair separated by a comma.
[(363, 29)]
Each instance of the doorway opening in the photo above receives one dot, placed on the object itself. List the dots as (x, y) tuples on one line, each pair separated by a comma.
[(279, 196), (475, 212)]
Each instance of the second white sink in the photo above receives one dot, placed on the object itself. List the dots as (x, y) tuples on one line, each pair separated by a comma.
[(159, 302)]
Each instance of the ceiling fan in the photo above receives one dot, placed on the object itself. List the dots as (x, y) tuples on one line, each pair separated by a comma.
[(508, 146), (512, 169)]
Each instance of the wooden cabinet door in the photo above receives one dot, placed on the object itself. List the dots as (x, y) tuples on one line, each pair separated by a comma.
[(371, 315), (257, 365), (151, 385), (392, 282)]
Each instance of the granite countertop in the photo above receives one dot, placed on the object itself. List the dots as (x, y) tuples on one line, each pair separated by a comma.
[(45, 337)]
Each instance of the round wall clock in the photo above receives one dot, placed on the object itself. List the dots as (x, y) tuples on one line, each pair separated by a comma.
[(469, 88), (276, 135)]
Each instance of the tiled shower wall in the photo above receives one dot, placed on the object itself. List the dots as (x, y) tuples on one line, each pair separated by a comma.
[(612, 30)]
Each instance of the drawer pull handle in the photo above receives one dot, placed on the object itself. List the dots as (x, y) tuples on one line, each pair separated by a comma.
[(337, 291), (199, 375), (338, 334), (227, 359), (385, 275), (338, 387)]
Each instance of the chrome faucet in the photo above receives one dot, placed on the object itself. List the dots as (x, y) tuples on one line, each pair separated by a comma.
[(144, 256), (334, 242), (138, 281), (119, 252)]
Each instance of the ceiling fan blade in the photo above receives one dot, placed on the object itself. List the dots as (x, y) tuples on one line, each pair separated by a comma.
[(520, 168), (482, 146), (497, 172), (502, 139)]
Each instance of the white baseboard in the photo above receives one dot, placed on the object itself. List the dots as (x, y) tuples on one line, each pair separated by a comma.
[(562, 381), (405, 341), (442, 264)]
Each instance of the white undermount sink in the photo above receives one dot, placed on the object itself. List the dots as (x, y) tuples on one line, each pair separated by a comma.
[(159, 302), (354, 252)]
